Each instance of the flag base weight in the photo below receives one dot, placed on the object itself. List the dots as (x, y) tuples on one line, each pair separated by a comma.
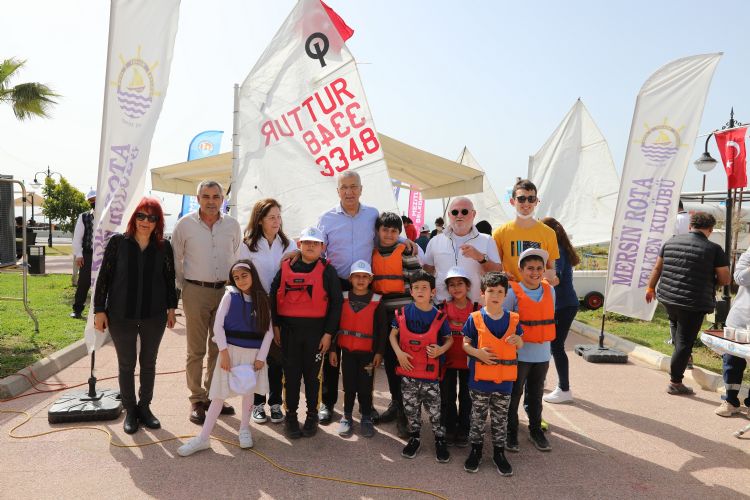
[(81, 407), (595, 354)]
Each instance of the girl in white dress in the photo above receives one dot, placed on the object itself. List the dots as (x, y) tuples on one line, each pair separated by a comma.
[(243, 333)]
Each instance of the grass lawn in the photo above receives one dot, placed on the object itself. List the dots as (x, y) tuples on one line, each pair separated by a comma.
[(652, 335), (50, 298), (59, 250)]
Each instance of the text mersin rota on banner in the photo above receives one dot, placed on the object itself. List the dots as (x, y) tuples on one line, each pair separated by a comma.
[(304, 118), (141, 43), (667, 114)]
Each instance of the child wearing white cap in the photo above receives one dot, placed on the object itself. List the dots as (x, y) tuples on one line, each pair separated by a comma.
[(243, 334), (361, 337), (306, 308)]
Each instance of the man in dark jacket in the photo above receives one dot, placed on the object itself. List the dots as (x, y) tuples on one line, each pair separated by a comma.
[(688, 271)]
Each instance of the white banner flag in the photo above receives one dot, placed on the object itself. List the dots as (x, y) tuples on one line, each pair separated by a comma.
[(304, 118), (141, 42), (667, 114)]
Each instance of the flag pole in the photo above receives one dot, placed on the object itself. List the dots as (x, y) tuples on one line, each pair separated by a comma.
[(235, 148)]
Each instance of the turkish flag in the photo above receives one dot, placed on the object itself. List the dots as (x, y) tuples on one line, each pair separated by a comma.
[(731, 145)]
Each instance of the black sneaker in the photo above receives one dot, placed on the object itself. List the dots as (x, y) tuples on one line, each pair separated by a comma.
[(442, 455), (475, 458), (537, 437), (324, 415), (277, 415), (511, 443), (411, 448), (462, 439), (390, 414), (259, 414), (291, 427), (310, 427), (503, 466)]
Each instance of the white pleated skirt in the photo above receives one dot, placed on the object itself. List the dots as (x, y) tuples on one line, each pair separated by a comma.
[(238, 356)]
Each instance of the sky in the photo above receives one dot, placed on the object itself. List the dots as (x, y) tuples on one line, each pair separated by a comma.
[(495, 76)]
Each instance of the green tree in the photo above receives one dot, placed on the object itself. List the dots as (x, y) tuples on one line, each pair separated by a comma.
[(63, 203), (27, 99)]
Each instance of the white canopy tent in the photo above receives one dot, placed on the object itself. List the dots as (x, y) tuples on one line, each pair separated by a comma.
[(433, 176)]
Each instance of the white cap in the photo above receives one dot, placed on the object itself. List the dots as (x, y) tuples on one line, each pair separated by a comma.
[(534, 251), (91, 194), (361, 266), (311, 233), (456, 272), (242, 379), (425, 228)]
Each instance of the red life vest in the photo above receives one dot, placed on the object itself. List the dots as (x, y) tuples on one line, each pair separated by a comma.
[(456, 357), (388, 272), (356, 328), (302, 295), (537, 318), (505, 369), (415, 344)]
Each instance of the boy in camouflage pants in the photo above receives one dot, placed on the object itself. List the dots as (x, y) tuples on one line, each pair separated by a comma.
[(491, 370), (413, 326)]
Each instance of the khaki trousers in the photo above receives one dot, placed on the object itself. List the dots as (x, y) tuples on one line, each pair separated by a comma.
[(199, 305)]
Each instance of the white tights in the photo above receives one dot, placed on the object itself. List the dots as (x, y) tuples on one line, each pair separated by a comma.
[(215, 409)]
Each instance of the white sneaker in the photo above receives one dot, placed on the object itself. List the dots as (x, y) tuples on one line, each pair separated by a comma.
[(559, 396), (195, 444), (726, 409), (246, 439)]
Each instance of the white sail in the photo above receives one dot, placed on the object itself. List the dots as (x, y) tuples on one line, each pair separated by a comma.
[(486, 203), (576, 178)]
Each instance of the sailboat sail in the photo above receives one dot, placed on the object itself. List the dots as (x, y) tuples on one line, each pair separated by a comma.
[(486, 203), (303, 119), (576, 178)]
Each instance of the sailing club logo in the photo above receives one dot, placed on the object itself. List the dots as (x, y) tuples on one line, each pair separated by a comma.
[(660, 144), (316, 47), (135, 86)]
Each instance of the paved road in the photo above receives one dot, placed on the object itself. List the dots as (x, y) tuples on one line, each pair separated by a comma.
[(624, 438)]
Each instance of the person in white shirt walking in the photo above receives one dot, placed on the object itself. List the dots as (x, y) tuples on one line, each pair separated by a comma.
[(205, 243), (83, 237)]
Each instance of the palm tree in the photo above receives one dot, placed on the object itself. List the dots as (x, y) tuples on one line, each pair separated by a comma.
[(26, 99)]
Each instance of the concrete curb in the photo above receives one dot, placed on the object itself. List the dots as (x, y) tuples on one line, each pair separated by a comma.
[(709, 381), (16, 384)]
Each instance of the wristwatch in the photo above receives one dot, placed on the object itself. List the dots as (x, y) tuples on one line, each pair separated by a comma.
[(484, 259)]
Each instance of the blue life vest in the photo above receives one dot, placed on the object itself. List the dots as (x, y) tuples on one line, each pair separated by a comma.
[(239, 324)]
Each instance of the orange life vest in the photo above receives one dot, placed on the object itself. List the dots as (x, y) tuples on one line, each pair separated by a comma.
[(537, 318), (388, 272), (356, 328), (505, 369), (456, 357), (415, 344), (302, 295)]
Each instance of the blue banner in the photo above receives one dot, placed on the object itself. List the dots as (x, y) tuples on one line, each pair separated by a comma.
[(203, 145)]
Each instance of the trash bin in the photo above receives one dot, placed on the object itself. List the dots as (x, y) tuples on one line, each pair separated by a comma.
[(36, 259)]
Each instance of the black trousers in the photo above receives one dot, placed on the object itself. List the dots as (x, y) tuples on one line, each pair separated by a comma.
[(455, 418), (530, 375), (275, 385), (732, 368), (688, 324), (302, 360), (124, 333), (358, 382), (390, 362), (84, 283), (330, 387)]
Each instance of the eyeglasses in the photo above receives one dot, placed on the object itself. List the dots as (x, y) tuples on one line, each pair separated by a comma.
[(463, 211), (142, 216), (524, 199)]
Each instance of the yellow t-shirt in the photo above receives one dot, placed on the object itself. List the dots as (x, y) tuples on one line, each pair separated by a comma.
[(511, 240)]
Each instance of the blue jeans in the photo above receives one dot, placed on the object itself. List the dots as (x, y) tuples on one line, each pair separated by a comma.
[(563, 319)]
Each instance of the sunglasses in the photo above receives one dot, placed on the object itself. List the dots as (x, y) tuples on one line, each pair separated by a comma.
[(524, 199), (463, 211), (142, 216)]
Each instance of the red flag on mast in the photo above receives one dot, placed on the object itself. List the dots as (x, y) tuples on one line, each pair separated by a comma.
[(731, 144)]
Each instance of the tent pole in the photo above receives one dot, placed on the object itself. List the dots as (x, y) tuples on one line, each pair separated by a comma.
[(235, 149)]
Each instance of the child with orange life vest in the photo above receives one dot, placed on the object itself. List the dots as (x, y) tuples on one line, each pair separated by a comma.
[(417, 333), (534, 300), (457, 310), (306, 305), (491, 339), (361, 337), (392, 265)]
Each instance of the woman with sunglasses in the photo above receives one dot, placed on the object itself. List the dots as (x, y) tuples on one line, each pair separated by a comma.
[(135, 296)]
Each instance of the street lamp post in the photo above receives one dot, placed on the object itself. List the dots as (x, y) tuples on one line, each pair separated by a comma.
[(705, 164), (36, 184)]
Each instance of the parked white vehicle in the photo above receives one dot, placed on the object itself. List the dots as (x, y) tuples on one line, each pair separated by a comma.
[(590, 286)]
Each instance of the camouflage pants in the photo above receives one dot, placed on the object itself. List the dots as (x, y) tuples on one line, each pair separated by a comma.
[(496, 403), (419, 392)]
